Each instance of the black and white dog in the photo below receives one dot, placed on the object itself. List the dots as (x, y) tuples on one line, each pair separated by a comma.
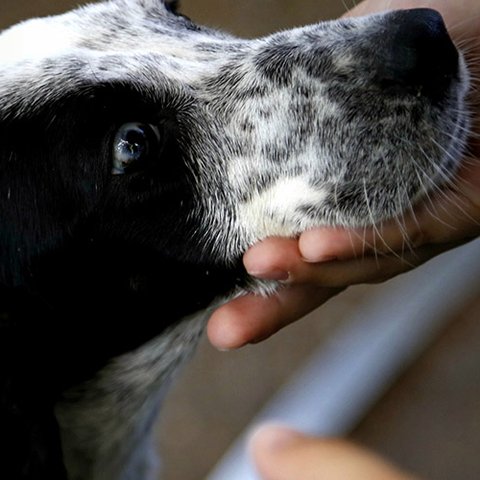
[(141, 155)]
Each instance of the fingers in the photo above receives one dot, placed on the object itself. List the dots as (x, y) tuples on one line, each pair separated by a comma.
[(272, 259), (253, 318), (324, 261), (282, 454), (279, 258), (449, 218), (368, 259), (342, 244)]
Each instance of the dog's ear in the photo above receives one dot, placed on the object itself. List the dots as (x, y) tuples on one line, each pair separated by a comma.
[(170, 5)]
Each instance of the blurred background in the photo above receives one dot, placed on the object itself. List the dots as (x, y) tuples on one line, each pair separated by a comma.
[(427, 420)]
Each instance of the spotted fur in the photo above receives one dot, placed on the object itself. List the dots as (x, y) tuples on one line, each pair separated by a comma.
[(262, 137)]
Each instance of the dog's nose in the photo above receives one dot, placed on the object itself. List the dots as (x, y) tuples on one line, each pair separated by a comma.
[(418, 51)]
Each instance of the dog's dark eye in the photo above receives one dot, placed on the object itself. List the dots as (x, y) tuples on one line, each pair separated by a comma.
[(133, 147)]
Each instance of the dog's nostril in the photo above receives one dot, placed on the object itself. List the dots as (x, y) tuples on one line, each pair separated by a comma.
[(418, 51)]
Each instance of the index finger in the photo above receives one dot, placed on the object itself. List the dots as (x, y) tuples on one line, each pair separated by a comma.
[(449, 217), (253, 318)]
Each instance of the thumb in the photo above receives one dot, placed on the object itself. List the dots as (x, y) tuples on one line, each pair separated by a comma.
[(283, 454)]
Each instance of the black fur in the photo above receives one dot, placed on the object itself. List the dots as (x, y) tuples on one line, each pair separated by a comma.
[(93, 265)]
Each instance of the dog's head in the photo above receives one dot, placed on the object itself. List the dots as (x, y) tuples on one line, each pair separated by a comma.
[(131, 134), (141, 154)]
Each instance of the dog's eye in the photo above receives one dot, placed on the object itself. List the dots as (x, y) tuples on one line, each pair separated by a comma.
[(134, 146)]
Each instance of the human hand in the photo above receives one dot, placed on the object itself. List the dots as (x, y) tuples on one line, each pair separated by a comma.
[(322, 262), (281, 454)]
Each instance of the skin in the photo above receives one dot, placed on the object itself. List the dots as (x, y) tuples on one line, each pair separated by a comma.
[(323, 262), (282, 454)]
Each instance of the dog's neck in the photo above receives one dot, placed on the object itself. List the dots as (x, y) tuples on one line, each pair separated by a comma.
[(103, 423), (107, 423), (57, 338)]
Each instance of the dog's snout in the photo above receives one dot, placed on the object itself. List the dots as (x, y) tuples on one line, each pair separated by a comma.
[(419, 51)]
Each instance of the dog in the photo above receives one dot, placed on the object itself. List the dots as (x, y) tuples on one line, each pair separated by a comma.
[(142, 154)]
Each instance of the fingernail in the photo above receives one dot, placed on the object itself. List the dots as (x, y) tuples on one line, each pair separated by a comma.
[(225, 349), (318, 258), (315, 247), (279, 275), (275, 437), (227, 344)]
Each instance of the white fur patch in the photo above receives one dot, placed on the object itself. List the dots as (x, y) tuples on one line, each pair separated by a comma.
[(274, 211), (35, 40)]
